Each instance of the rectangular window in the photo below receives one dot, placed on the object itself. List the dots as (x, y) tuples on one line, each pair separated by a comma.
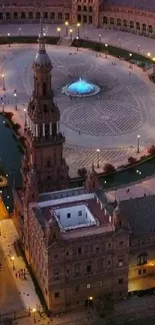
[(79, 213), (144, 271), (139, 272), (88, 285), (68, 215), (89, 268), (142, 259), (121, 243), (120, 262), (57, 295), (120, 281), (100, 283)]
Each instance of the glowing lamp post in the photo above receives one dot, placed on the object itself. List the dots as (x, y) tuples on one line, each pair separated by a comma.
[(9, 39), (15, 98), (25, 117), (71, 33), (3, 107), (58, 30), (78, 29), (66, 24), (3, 82), (13, 262), (138, 142), (100, 37), (98, 157), (34, 314), (106, 52), (19, 31), (77, 44)]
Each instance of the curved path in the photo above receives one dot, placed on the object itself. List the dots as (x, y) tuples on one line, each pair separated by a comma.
[(111, 123)]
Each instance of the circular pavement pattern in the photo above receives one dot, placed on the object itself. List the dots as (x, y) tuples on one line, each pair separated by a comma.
[(110, 120)]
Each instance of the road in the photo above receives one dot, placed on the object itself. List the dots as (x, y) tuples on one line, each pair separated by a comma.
[(10, 300)]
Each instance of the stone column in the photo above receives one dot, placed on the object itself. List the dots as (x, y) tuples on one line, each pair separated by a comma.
[(43, 129), (50, 128), (36, 130)]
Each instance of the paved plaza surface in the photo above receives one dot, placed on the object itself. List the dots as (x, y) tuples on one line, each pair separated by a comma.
[(110, 121)]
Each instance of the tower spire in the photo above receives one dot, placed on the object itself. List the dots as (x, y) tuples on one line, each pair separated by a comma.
[(41, 39)]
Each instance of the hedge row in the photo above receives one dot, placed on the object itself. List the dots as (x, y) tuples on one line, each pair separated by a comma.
[(112, 50), (27, 39)]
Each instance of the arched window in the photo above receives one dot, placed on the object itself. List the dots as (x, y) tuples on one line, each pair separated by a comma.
[(66, 16), (59, 16), (52, 15), (90, 9), (84, 8), (138, 26), (105, 20), (8, 16), (150, 29), (79, 18), (15, 15), (118, 22), (1, 15), (125, 24), (84, 19), (143, 27), (44, 89), (38, 15), (23, 15), (131, 24), (45, 15), (111, 21), (79, 8), (30, 15)]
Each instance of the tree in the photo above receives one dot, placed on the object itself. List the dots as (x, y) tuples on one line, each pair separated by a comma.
[(108, 168), (82, 172), (104, 305), (151, 150), (132, 161)]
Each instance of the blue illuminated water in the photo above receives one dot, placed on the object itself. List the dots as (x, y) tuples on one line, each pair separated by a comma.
[(81, 87)]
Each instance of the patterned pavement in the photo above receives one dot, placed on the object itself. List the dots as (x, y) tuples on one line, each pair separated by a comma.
[(109, 122)]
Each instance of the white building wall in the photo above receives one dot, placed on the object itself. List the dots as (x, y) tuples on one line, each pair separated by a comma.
[(75, 217)]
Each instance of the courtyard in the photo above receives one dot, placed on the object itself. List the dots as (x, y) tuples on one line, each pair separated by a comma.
[(109, 121)]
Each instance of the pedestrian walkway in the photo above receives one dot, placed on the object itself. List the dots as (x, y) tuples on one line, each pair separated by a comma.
[(25, 287)]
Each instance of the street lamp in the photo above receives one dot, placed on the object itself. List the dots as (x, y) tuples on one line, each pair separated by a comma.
[(25, 117), (58, 30), (3, 107), (66, 24), (98, 157), (19, 31), (78, 29), (34, 314), (77, 43), (13, 261), (3, 82), (70, 32), (106, 52), (138, 140), (99, 37), (148, 54), (119, 42), (15, 97), (138, 48), (9, 39)]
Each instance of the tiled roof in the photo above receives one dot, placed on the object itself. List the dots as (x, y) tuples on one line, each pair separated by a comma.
[(139, 4), (140, 213)]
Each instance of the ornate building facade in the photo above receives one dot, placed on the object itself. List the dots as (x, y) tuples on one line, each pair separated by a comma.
[(134, 16)]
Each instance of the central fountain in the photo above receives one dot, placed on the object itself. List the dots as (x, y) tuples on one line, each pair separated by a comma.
[(81, 88)]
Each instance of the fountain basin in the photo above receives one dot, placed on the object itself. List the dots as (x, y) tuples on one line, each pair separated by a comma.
[(81, 88)]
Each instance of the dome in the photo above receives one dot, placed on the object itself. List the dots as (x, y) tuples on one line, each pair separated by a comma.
[(42, 59)]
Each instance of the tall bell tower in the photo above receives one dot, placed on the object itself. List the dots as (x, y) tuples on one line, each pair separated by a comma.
[(44, 153)]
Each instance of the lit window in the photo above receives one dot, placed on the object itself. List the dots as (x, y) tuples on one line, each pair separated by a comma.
[(88, 285), (120, 262)]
